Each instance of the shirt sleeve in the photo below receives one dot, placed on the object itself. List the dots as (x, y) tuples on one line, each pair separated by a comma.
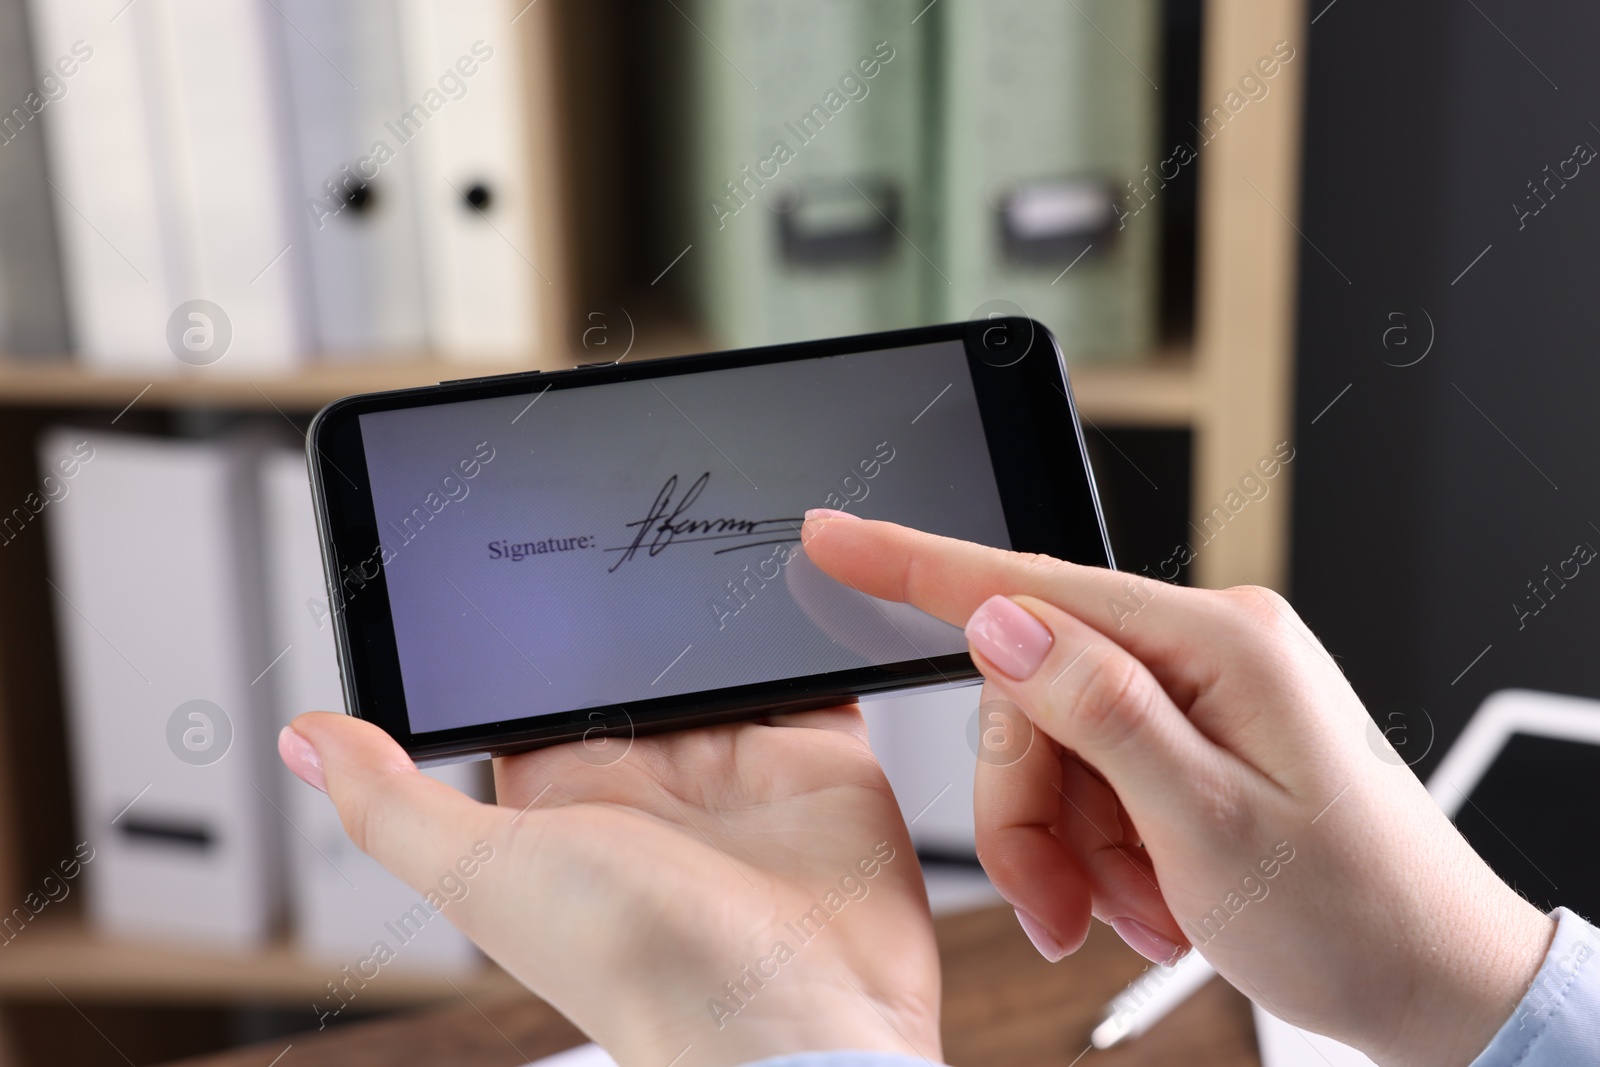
[(1557, 1024), (1558, 1021)]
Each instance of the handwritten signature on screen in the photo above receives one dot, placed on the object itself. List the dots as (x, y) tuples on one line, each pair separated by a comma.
[(666, 525)]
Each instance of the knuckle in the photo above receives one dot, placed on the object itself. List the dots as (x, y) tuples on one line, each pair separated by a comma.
[(1003, 855), (1114, 703), (1226, 810), (918, 573), (1271, 598), (360, 817), (367, 814), (1262, 608), (1037, 565)]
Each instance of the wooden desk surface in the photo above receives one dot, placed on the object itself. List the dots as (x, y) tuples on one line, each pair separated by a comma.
[(1004, 1006)]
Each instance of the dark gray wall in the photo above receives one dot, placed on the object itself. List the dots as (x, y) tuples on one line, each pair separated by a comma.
[(1428, 496)]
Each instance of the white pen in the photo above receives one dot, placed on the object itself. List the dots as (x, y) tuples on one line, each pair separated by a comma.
[(1150, 997)]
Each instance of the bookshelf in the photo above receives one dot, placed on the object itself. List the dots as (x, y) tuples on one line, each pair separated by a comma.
[(1230, 384)]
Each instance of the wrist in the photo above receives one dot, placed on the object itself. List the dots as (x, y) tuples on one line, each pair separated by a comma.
[(1466, 992)]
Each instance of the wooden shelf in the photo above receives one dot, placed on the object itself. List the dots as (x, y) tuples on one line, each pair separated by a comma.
[(84, 965), (64, 383), (1157, 390), (301, 390)]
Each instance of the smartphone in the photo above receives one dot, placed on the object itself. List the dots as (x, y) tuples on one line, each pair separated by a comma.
[(537, 558)]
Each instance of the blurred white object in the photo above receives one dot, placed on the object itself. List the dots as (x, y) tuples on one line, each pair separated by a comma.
[(1283, 1045), (1149, 998), (582, 1056), (922, 741), (1501, 716), (342, 900), (154, 565)]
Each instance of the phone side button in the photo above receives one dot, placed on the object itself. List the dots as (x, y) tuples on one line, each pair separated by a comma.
[(491, 377)]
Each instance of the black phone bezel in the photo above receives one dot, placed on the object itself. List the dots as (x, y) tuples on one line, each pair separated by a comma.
[(1036, 447)]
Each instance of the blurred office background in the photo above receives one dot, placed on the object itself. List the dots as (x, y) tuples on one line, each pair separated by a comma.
[(1343, 243)]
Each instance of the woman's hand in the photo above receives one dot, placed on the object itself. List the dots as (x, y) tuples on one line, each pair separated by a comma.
[(1203, 775), (701, 898)]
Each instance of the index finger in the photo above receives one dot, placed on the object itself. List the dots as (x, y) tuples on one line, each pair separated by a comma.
[(948, 578)]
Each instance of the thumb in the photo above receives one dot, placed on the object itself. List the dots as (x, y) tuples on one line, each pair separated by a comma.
[(417, 827), (1094, 698)]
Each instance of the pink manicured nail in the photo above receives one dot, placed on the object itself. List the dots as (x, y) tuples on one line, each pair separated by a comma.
[(1042, 940), (301, 758), (821, 514), (1009, 637), (1146, 942)]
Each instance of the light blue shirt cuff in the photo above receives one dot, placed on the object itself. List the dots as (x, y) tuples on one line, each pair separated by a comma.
[(843, 1059), (1558, 1022)]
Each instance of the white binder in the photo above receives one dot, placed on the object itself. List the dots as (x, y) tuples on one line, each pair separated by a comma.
[(354, 198), (33, 310), (231, 140), (170, 154), (468, 133), (118, 268), (342, 900), (154, 571)]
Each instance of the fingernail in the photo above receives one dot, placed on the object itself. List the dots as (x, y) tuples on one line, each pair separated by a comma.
[(1009, 637), (301, 758), (1147, 943), (1042, 940), (816, 518)]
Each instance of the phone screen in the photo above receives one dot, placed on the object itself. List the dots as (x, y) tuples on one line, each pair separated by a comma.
[(583, 547)]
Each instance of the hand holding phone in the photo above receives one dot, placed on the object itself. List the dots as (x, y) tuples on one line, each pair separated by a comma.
[(717, 897)]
